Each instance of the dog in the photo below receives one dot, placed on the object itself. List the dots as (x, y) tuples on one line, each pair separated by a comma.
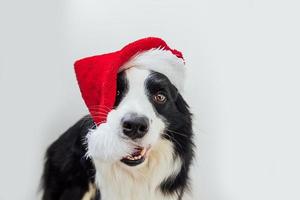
[(143, 151)]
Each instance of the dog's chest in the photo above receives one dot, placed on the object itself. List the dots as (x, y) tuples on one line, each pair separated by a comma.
[(129, 190), (118, 183)]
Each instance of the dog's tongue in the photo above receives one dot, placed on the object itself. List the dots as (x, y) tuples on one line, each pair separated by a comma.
[(138, 151)]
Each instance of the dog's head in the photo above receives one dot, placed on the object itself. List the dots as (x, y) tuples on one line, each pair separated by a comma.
[(148, 111)]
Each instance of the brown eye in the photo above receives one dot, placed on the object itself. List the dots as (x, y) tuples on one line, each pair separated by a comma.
[(118, 93), (160, 98)]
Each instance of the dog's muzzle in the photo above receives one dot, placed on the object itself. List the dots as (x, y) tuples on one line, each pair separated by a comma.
[(135, 126)]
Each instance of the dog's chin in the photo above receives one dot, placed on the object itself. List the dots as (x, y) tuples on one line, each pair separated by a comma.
[(138, 157), (105, 147)]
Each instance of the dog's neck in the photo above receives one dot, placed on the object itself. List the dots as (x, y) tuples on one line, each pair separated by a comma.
[(117, 181)]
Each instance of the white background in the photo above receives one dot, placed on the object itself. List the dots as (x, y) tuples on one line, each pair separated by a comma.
[(243, 85)]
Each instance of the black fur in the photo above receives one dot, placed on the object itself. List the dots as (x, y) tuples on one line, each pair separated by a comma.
[(68, 173), (176, 112)]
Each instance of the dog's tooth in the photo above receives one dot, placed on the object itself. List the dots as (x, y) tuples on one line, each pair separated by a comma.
[(129, 157), (143, 151)]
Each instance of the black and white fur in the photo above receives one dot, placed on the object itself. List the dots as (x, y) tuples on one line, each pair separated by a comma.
[(84, 163)]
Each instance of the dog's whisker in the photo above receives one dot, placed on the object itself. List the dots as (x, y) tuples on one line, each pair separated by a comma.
[(96, 124), (104, 121), (98, 110), (175, 132), (100, 115), (99, 107), (172, 138), (105, 108)]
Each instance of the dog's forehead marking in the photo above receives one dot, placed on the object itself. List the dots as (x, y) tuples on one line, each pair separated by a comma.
[(136, 84), (136, 76), (136, 99)]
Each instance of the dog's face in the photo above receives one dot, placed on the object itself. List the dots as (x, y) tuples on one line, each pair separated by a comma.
[(147, 108)]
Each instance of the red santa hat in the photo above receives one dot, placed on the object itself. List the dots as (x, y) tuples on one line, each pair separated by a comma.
[(97, 75)]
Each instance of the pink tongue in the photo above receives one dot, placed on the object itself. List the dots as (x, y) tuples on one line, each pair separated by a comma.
[(137, 153)]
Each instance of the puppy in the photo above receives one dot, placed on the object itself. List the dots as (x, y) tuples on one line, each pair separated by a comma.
[(143, 151)]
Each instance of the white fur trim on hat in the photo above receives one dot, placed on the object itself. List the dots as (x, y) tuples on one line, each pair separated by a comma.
[(162, 61)]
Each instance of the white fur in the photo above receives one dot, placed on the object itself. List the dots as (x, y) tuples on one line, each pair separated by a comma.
[(105, 142), (119, 182), (91, 193), (107, 146), (161, 61)]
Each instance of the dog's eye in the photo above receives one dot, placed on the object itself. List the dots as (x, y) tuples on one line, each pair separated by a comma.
[(118, 92), (160, 98)]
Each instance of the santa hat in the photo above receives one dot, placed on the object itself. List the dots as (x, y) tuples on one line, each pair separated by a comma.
[(97, 75)]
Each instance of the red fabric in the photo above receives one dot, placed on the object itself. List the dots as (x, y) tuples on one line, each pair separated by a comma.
[(97, 75)]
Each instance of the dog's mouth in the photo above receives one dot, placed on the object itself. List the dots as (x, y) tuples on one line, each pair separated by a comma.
[(137, 157)]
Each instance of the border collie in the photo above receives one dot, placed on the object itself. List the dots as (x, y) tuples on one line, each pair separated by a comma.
[(143, 151)]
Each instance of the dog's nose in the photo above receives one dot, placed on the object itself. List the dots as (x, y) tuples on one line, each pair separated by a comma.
[(135, 126)]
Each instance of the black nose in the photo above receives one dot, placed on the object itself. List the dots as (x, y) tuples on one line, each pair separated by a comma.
[(134, 125)]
